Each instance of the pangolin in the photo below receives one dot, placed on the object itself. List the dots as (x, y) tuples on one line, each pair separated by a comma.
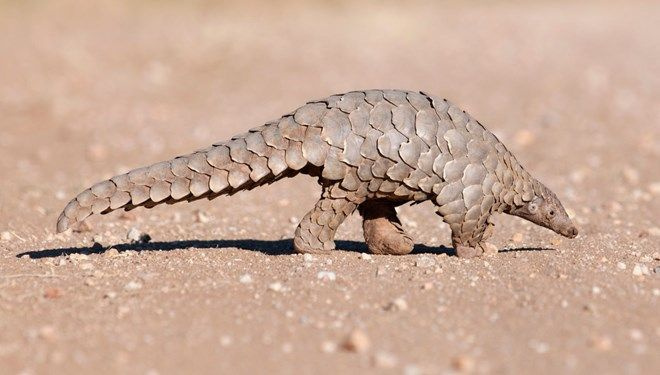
[(371, 151)]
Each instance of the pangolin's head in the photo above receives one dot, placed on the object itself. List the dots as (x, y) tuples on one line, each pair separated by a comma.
[(546, 210)]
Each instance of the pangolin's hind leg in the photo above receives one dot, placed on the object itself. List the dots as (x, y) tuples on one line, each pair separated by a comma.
[(316, 231), (383, 231)]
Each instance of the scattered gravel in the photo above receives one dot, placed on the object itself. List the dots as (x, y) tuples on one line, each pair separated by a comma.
[(580, 303), (76, 257), (424, 261)]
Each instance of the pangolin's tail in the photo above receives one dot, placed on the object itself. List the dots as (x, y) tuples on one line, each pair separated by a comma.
[(261, 156)]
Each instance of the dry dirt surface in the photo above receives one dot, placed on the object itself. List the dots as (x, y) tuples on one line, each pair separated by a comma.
[(91, 89)]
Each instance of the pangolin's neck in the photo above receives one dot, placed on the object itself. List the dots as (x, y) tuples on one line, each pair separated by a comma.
[(519, 186)]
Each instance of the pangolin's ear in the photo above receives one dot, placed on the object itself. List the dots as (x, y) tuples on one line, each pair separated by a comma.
[(532, 207)]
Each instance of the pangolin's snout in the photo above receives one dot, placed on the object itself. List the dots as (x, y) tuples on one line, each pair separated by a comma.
[(571, 232)]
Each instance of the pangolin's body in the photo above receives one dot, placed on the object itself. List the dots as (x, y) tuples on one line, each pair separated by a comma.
[(371, 151)]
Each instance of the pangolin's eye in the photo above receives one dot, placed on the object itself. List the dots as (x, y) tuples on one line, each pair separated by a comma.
[(551, 213)]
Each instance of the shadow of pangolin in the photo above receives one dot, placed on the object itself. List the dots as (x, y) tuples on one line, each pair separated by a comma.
[(371, 151)]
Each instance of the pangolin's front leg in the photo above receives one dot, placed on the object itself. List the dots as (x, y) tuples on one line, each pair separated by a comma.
[(383, 231), (316, 231), (469, 236)]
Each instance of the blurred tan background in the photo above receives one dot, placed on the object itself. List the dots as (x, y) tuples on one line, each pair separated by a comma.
[(92, 88)]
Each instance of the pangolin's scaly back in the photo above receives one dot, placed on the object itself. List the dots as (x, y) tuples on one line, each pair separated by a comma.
[(401, 145)]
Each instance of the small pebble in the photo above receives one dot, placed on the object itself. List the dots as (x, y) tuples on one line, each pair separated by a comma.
[(328, 347), (357, 341), (132, 285), (636, 334), (539, 346), (640, 269), (53, 293), (524, 137), (201, 217), (631, 175), (135, 236), (424, 261), (621, 265), (326, 276), (110, 295), (245, 279), (398, 304), (122, 311), (366, 256), (293, 220), (98, 241), (601, 343), (225, 340), (48, 333), (111, 253), (462, 363), (384, 360), (412, 369), (276, 286), (308, 258), (6, 236), (654, 188), (86, 266)]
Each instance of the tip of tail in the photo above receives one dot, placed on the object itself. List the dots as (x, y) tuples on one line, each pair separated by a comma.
[(62, 223)]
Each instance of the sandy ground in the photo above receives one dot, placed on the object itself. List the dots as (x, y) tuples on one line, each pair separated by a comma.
[(90, 90)]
